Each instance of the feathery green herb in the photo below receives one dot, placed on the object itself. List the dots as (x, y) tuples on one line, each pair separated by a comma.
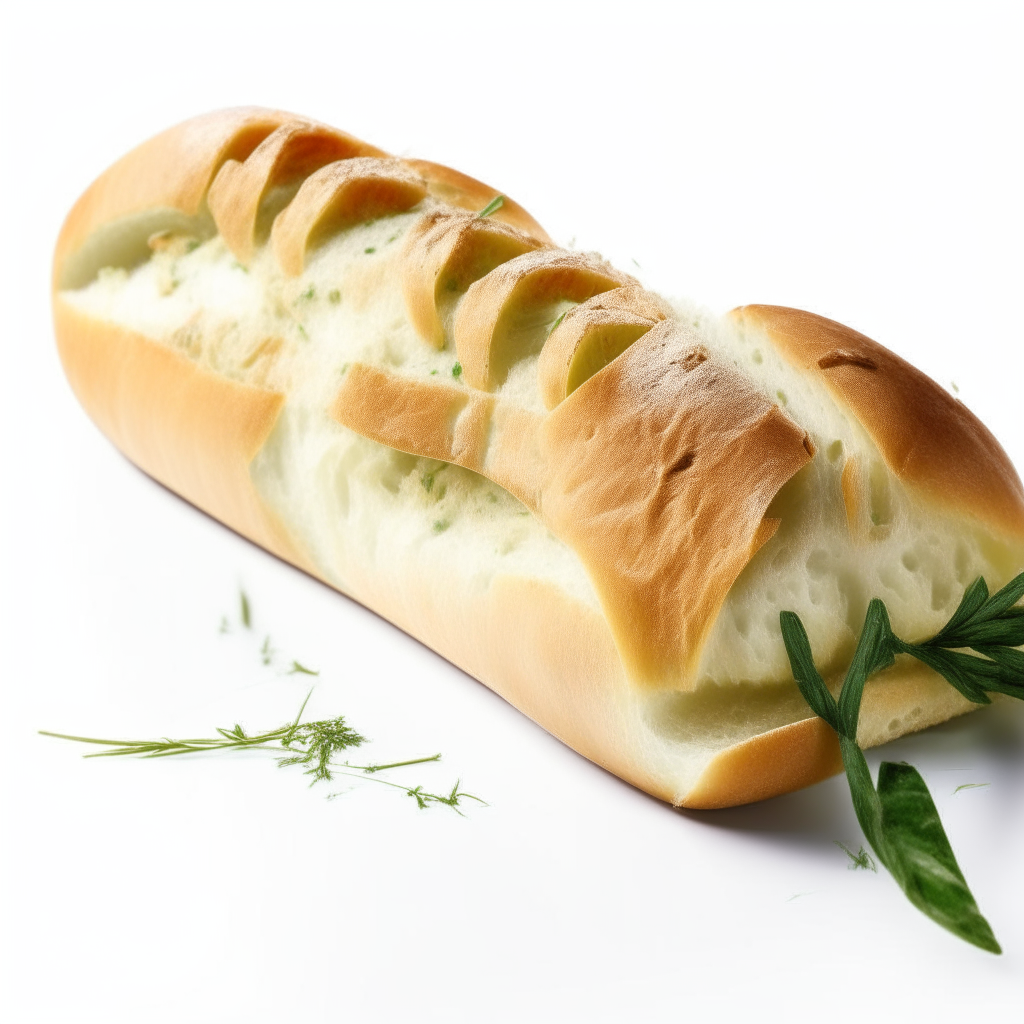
[(899, 817), (860, 859), (298, 668), (312, 745), (971, 785), (492, 207)]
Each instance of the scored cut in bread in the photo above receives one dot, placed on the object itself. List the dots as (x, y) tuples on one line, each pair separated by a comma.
[(592, 499)]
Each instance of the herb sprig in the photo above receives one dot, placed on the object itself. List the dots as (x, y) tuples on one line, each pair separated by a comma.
[(899, 817), (312, 745), (492, 207)]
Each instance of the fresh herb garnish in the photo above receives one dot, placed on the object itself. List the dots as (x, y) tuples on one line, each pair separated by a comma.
[(457, 370), (899, 817), (554, 326), (971, 785), (298, 667), (312, 745), (334, 296), (369, 249), (245, 610), (492, 207), (860, 859)]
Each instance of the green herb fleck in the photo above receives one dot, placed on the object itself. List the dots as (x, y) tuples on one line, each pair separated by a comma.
[(246, 611), (433, 373), (860, 859), (392, 238), (224, 627), (440, 525), (308, 294), (239, 266), (554, 326), (302, 331), (266, 651), (369, 249), (298, 668), (971, 785), (898, 816), (191, 245), (492, 207), (457, 370), (344, 369), (334, 296), (312, 745)]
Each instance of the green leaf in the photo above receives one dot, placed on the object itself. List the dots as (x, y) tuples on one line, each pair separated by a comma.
[(958, 673), (1011, 661), (866, 804), (974, 597), (899, 818), (812, 686), (1002, 600), (921, 859), (874, 652), (492, 207), (1007, 629)]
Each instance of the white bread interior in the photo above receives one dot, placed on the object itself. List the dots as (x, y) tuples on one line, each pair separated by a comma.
[(461, 563)]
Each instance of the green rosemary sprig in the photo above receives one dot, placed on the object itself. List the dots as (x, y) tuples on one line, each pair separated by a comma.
[(313, 745), (492, 207), (899, 817)]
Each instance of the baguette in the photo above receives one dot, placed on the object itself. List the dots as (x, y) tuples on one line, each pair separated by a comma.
[(592, 499)]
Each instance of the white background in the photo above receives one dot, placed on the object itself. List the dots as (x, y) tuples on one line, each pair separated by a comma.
[(862, 161)]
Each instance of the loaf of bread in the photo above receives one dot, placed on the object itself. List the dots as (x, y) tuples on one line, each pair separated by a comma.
[(594, 500)]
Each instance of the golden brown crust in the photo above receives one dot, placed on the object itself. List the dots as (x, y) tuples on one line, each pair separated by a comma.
[(775, 762), (657, 472), (662, 467), (438, 421), (179, 165), (929, 439), (446, 252), (185, 426), (290, 153), (591, 335), (458, 189), (337, 196), (488, 327)]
